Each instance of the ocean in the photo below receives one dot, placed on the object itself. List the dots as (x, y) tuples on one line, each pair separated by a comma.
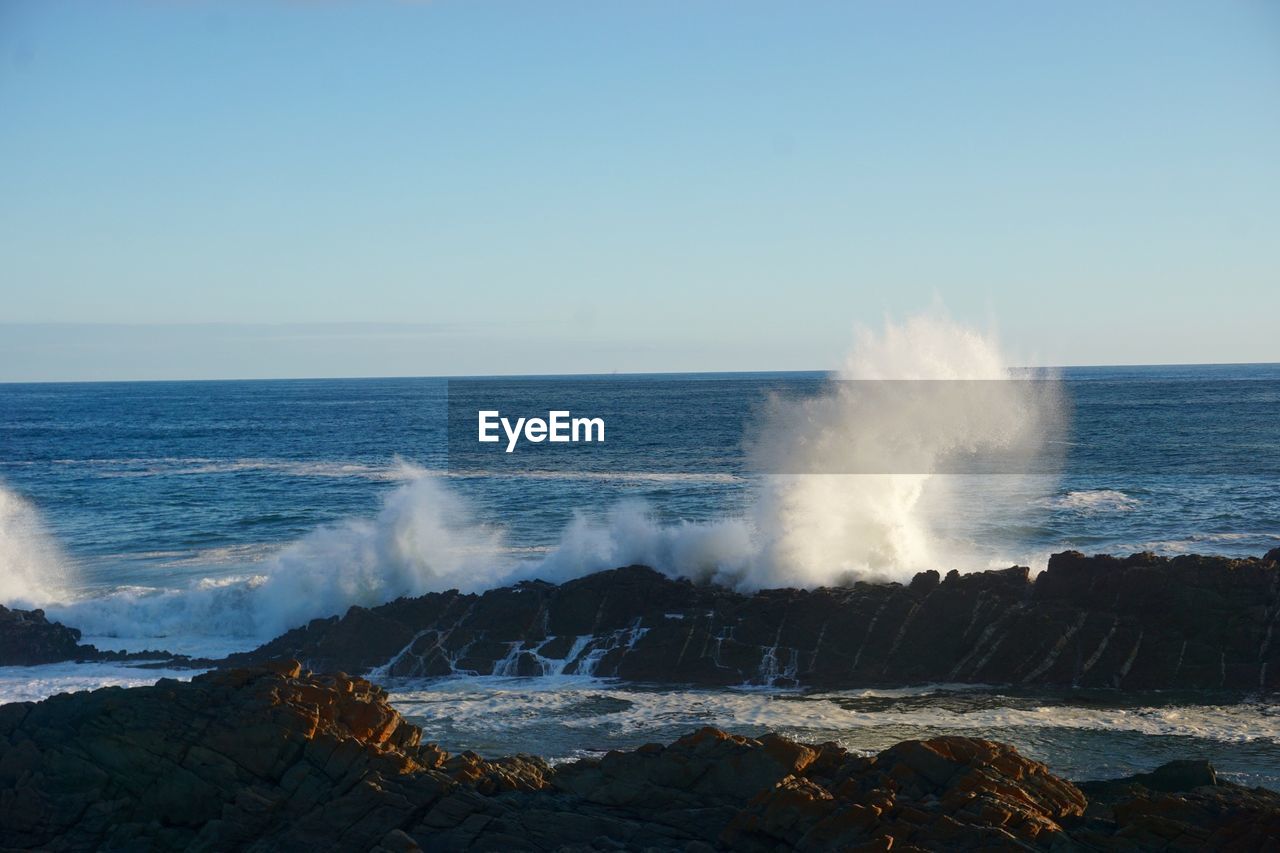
[(206, 517)]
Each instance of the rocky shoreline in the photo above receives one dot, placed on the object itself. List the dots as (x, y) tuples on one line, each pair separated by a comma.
[(276, 758), (1138, 622)]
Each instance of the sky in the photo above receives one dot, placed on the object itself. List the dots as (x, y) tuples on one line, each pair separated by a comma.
[(229, 189)]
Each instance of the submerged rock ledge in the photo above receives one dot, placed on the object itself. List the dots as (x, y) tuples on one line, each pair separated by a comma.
[(1137, 622), (273, 758)]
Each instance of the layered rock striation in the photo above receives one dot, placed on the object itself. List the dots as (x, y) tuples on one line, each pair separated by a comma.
[(274, 758), (1136, 622)]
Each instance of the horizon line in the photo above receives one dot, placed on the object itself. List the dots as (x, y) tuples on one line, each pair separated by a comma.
[(616, 373)]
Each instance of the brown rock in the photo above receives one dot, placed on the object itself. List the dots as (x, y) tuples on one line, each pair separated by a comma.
[(278, 758)]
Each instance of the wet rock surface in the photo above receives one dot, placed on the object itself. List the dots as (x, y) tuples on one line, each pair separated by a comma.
[(275, 758), (1135, 622), (28, 637), (1138, 622)]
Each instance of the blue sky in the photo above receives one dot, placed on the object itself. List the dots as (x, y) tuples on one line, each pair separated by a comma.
[(199, 189)]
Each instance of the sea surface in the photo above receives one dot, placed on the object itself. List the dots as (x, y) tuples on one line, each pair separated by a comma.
[(204, 517)]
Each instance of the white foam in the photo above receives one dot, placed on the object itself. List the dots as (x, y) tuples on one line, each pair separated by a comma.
[(512, 704), (206, 617), (629, 533), (1198, 541), (811, 529), (193, 645), (423, 539), (33, 569), (194, 466), (825, 528), (398, 470), (33, 683), (1092, 501)]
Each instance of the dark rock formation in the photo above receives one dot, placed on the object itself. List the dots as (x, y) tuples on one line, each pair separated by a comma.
[(1136, 622), (27, 637), (275, 759), (1179, 806)]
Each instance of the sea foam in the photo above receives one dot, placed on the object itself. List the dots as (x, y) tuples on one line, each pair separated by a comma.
[(33, 570)]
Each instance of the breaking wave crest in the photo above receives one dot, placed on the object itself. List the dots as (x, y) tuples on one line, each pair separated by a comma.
[(423, 539), (1090, 501), (33, 569), (810, 528)]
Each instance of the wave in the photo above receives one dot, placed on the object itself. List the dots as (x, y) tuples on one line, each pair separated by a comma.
[(34, 683), (492, 705), (232, 556), (567, 719), (1094, 501), (805, 529), (33, 570), (1186, 544), (398, 470), (195, 466), (423, 539)]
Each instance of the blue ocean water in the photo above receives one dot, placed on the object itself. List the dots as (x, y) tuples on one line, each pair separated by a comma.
[(207, 516), (156, 483)]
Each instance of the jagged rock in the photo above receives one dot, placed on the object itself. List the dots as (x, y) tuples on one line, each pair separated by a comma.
[(1136, 622), (1181, 805), (27, 637), (235, 758), (274, 758)]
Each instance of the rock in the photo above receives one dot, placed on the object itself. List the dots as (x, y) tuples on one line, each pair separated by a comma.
[(233, 758), (1181, 805), (1179, 776), (28, 638), (1138, 622), (1171, 778), (1135, 622), (274, 757)]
